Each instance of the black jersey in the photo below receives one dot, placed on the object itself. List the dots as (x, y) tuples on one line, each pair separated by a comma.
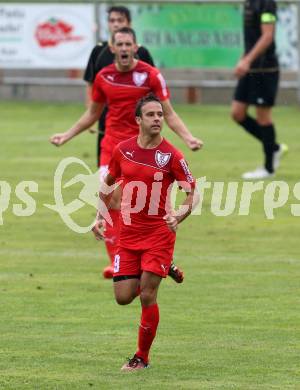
[(256, 13), (101, 56)]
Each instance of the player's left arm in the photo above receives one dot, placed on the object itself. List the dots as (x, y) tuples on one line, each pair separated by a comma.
[(185, 209), (177, 125), (182, 174)]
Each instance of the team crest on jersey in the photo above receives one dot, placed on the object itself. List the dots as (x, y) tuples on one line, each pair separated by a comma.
[(162, 159), (139, 78)]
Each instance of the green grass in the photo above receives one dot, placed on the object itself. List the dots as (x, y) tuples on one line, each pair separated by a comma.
[(233, 324)]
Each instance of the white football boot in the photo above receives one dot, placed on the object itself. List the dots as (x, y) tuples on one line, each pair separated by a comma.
[(257, 174), (282, 151)]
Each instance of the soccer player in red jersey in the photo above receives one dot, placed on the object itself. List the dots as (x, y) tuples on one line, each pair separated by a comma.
[(120, 86), (148, 165), (101, 56)]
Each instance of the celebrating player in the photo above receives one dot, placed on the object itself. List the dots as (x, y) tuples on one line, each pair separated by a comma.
[(149, 164), (120, 86), (101, 56)]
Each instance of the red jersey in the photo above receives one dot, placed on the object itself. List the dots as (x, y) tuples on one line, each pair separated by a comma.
[(120, 91), (148, 176)]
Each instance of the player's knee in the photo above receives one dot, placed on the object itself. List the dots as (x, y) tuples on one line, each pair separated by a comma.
[(264, 116), (148, 296), (123, 300), (264, 121), (237, 115)]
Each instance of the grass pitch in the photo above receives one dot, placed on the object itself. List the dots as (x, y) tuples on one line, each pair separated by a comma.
[(233, 324)]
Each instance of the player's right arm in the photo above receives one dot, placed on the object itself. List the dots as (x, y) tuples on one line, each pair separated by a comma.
[(88, 93), (91, 70), (267, 36), (102, 215), (91, 115), (267, 27), (105, 194)]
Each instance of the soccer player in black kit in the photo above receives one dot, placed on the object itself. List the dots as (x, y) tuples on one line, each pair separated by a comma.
[(258, 74), (101, 56)]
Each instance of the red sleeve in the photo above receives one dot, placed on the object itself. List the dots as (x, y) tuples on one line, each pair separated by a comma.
[(114, 168), (181, 172), (97, 93), (158, 85)]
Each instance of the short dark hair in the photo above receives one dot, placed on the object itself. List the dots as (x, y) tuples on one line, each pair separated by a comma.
[(120, 10), (144, 100), (124, 30)]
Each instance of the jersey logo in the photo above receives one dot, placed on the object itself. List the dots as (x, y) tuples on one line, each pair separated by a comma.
[(162, 159), (260, 100), (139, 78), (110, 78), (129, 154)]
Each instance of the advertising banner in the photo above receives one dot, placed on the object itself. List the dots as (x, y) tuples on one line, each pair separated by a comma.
[(45, 36), (189, 36), (203, 35), (61, 36)]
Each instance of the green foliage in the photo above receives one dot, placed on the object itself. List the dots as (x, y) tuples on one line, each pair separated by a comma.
[(232, 324)]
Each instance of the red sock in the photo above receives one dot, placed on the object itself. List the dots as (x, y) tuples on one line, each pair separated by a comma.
[(112, 234), (147, 330)]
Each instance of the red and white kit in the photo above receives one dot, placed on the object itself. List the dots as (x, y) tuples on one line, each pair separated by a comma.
[(146, 243), (120, 91)]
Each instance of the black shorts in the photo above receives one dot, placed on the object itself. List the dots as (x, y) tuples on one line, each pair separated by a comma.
[(258, 89)]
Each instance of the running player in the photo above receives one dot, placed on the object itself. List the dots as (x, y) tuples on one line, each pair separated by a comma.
[(147, 223)]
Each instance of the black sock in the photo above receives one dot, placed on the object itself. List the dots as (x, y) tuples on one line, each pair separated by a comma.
[(270, 145), (252, 127)]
